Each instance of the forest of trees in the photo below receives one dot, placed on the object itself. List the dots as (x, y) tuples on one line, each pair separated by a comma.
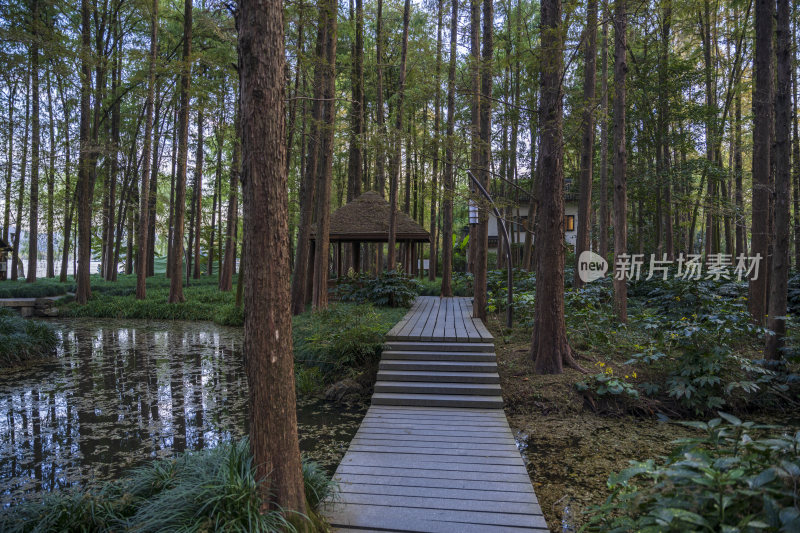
[(675, 125)]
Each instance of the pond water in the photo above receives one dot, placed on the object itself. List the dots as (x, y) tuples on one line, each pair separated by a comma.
[(120, 393)]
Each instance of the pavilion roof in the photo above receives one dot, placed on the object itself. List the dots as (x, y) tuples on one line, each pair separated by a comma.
[(366, 219)]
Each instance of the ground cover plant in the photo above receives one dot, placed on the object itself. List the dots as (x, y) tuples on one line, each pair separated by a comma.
[(689, 350), (208, 490), (23, 340)]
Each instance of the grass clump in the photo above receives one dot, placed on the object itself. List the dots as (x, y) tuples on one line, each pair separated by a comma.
[(209, 490), (392, 289), (22, 340)]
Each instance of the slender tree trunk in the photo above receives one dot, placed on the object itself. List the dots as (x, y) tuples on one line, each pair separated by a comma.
[(762, 128), (796, 146), (176, 279), (328, 12), (380, 143), (437, 113), (23, 165), (603, 194), (737, 176), (144, 195), (158, 148), (664, 147), (268, 324), (355, 167), (303, 263), (449, 185), (780, 264), (217, 180), (171, 220), (394, 178), (587, 140), (480, 299), (85, 175), (550, 350), (10, 161), (69, 204), (33, 224), (197, 212), (620, 156), (51, 177), (226, 273)]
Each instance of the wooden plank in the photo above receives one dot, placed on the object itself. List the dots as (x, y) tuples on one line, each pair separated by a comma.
[(395, 331), (478, 474), (436, 520), (413, 460), (416, 481)]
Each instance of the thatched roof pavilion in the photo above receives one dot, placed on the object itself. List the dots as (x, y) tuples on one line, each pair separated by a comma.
[(366, 219)]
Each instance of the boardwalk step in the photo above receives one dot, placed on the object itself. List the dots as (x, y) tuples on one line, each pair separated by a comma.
[(438, 377), (423, 346), (439, 366), (440, 356), (423, 387), (437, 400)]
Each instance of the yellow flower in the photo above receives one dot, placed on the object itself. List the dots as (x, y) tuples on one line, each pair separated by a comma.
[(634, 375), (683, 318), (600, 363), (626, 377)]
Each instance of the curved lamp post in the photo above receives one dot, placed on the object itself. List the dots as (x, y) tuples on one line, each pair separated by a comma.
[(473, 212)]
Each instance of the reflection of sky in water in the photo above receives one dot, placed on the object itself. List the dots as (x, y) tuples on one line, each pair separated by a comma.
[(122, 392)]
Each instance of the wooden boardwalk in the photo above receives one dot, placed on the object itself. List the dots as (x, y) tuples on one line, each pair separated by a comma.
[(434, 452)]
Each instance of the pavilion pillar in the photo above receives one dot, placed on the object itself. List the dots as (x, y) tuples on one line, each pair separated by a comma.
[(310, 276), (339, 259), (357, 256), (414, 262)]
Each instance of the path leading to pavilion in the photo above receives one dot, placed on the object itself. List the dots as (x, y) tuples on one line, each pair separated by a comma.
[(434, 452)]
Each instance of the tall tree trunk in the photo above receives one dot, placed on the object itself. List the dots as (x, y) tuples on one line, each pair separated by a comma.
[(620, 157), (10, 161), (303, 262), (449, 185), (437, 138), (15, 260), (587, 144), (159, 123), (380, 143), (51, 178), (268, 323), (356, 157), (663, 128), (144, 194), (328, 12), (83, 290), (394, 178), (550, 350), (741, 232), (226, 272), (217, 179), (176, 279), (780, 264), (197, 212), (762, 128), (796, 146), (475, 118), (69, 204), (603, 194), (480, 299), (33, 224), (109, 265)]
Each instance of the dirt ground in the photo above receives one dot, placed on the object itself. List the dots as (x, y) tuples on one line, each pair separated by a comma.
[(570, 449)]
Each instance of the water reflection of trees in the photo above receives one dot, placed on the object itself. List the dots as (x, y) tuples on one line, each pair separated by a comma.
[(116, 396)]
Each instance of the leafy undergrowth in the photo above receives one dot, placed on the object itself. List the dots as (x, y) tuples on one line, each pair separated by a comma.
[(23, 340), (343, 341), (736, 476), (688, 351), (209, 490)]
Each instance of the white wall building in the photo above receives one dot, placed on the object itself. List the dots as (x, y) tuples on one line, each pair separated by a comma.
[(520, 219)]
